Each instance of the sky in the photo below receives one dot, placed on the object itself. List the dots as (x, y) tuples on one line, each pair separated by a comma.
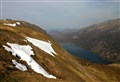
[(60, 14)]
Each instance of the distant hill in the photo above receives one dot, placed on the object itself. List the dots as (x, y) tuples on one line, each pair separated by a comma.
[(102, 39)]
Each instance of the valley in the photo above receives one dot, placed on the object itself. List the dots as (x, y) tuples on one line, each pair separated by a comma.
[(102, 39)]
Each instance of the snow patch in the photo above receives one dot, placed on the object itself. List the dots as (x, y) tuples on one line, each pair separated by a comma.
[(14, 24), (19, 65), (10, 24), (25, 52), (45, 46), (18, 23)]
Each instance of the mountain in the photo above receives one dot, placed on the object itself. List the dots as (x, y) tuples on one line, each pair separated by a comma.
[(102, 39), (29, 54)]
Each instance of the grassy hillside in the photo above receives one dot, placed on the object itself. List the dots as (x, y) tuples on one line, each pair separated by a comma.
[(65, 67)]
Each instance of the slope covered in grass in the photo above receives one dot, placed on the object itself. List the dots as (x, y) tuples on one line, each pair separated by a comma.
[(18, 52)]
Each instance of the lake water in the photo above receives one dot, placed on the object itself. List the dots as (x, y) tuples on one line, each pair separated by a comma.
[(82, 53)]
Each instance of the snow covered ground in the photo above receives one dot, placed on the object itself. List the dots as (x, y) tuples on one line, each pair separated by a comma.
[(25, 52), (14, 24), (45, 46), (18, 23), (19, 65)]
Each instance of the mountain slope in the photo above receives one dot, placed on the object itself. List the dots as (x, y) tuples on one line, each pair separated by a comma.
[(30, 55), (102, 39)]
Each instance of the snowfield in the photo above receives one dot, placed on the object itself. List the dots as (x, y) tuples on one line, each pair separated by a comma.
[(25, 52), (14, 24), (45, 46)]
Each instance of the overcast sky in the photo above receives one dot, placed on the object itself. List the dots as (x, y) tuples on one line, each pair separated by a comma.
[(61, 15)]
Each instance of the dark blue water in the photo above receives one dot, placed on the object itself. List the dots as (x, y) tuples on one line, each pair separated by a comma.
[(85, 54)]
